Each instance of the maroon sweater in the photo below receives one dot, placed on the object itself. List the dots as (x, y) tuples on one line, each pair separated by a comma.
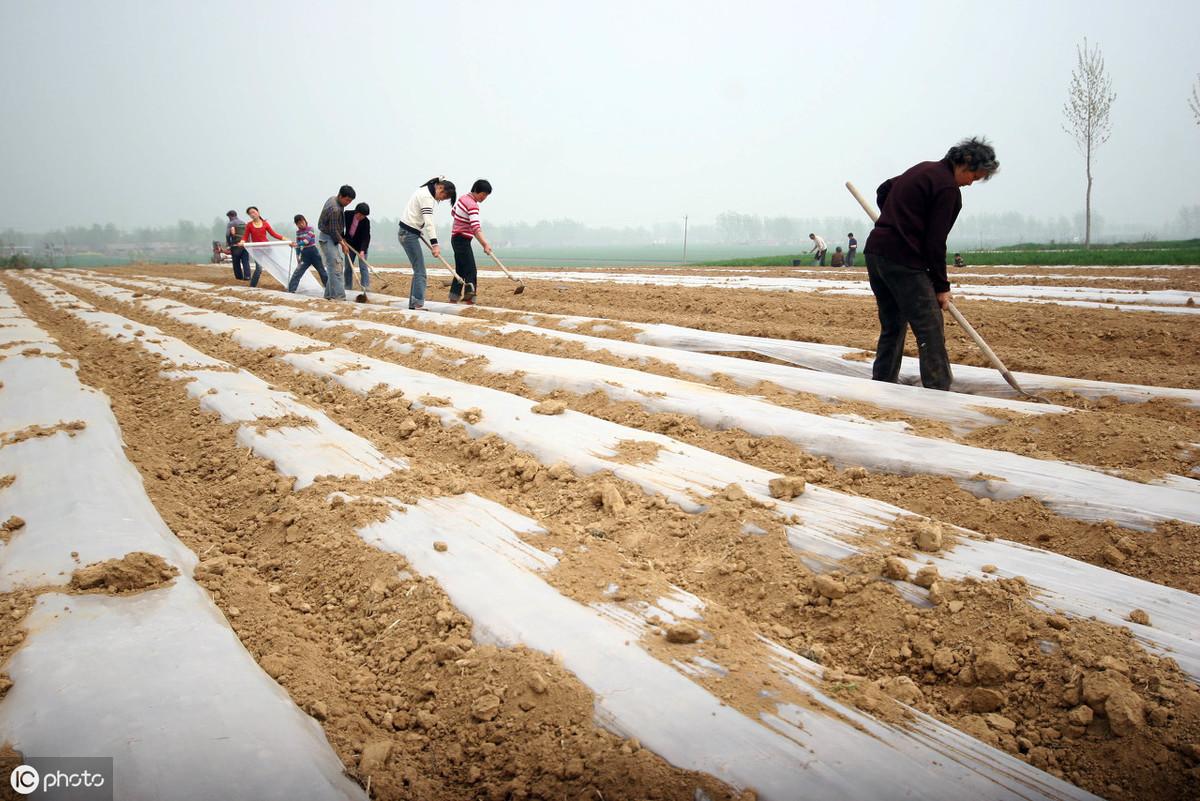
[(917, 210)]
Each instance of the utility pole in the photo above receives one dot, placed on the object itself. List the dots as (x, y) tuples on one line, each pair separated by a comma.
[(685, 223)]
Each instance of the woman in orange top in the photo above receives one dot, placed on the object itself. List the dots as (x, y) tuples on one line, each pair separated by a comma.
[(256, 231)]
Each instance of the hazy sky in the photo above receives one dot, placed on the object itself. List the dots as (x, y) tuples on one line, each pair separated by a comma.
[(608, 112)]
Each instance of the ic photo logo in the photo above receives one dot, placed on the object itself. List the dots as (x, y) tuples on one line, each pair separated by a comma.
[(24, 779), (64, 778)]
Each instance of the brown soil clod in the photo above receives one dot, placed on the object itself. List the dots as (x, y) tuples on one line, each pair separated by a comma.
[(133, 572), (549, 407), (786, 487)]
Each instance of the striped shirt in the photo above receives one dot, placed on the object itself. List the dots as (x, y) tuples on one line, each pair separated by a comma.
[(305, 236), (418, 214), (466, 216)]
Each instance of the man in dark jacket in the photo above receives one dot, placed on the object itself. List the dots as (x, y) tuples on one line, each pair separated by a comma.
[(235, 234), (906, 257), (358, 235)]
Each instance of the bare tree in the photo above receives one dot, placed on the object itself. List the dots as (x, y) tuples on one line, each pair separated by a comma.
[(1194, 100), (1089, 101)]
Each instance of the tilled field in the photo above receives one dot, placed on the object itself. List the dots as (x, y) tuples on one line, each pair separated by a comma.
[(502, 557)]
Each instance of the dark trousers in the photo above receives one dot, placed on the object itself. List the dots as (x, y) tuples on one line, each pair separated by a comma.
[(850, 257), (905, 297), (464, 265), (309, 257), (820, 258), (241, 263), (364, 277)]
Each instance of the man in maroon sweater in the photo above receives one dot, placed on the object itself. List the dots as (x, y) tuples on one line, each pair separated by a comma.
[(906, 257)]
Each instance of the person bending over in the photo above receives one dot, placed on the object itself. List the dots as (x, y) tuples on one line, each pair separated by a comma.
[(466, 228), (331, 228), (416, 224), (906, 257), (818, 249), (358, 236)]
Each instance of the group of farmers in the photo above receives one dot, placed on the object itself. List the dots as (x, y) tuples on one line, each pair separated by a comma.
[(905, 252), (840, 258), (343, 236)]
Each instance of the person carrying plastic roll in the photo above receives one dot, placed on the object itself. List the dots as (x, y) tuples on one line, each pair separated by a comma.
[(416, 223), (331, 226), (358, 235), (906, 257), (467, 228), (307, 254), (256, 231)]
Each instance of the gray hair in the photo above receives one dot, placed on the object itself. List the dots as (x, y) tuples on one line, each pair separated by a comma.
[(976, 154)]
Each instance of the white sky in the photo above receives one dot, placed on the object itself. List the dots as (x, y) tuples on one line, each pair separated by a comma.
[(609, 113)]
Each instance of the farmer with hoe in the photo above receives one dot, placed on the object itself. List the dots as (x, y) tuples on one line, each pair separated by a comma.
[(906, 257), (331, 240)]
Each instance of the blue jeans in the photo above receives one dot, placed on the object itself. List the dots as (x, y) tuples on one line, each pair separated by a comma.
[(416, 257), (850, 257), (905, 297), (309, 257), (363, 276), (257, 273), (330, 253)]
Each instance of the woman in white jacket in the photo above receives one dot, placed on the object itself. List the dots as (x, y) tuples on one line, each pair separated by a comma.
[(416, 223)]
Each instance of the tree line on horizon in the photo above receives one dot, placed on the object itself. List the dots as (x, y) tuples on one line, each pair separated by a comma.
[(729, 228)]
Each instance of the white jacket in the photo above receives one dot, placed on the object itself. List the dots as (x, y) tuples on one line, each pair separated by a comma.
[(818, 245), (418, 214)]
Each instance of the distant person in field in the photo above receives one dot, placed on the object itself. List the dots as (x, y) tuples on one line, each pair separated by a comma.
[(358, 235), (331, 230), (838, 259), (906, 256), (307, 254), (416, 224), (256, 231), (852, 249), (818, 249), (235, 234), (958, 260), (466, 228)]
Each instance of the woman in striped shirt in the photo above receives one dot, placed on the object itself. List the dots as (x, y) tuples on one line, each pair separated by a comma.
[(466, 227), (416, 224)]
